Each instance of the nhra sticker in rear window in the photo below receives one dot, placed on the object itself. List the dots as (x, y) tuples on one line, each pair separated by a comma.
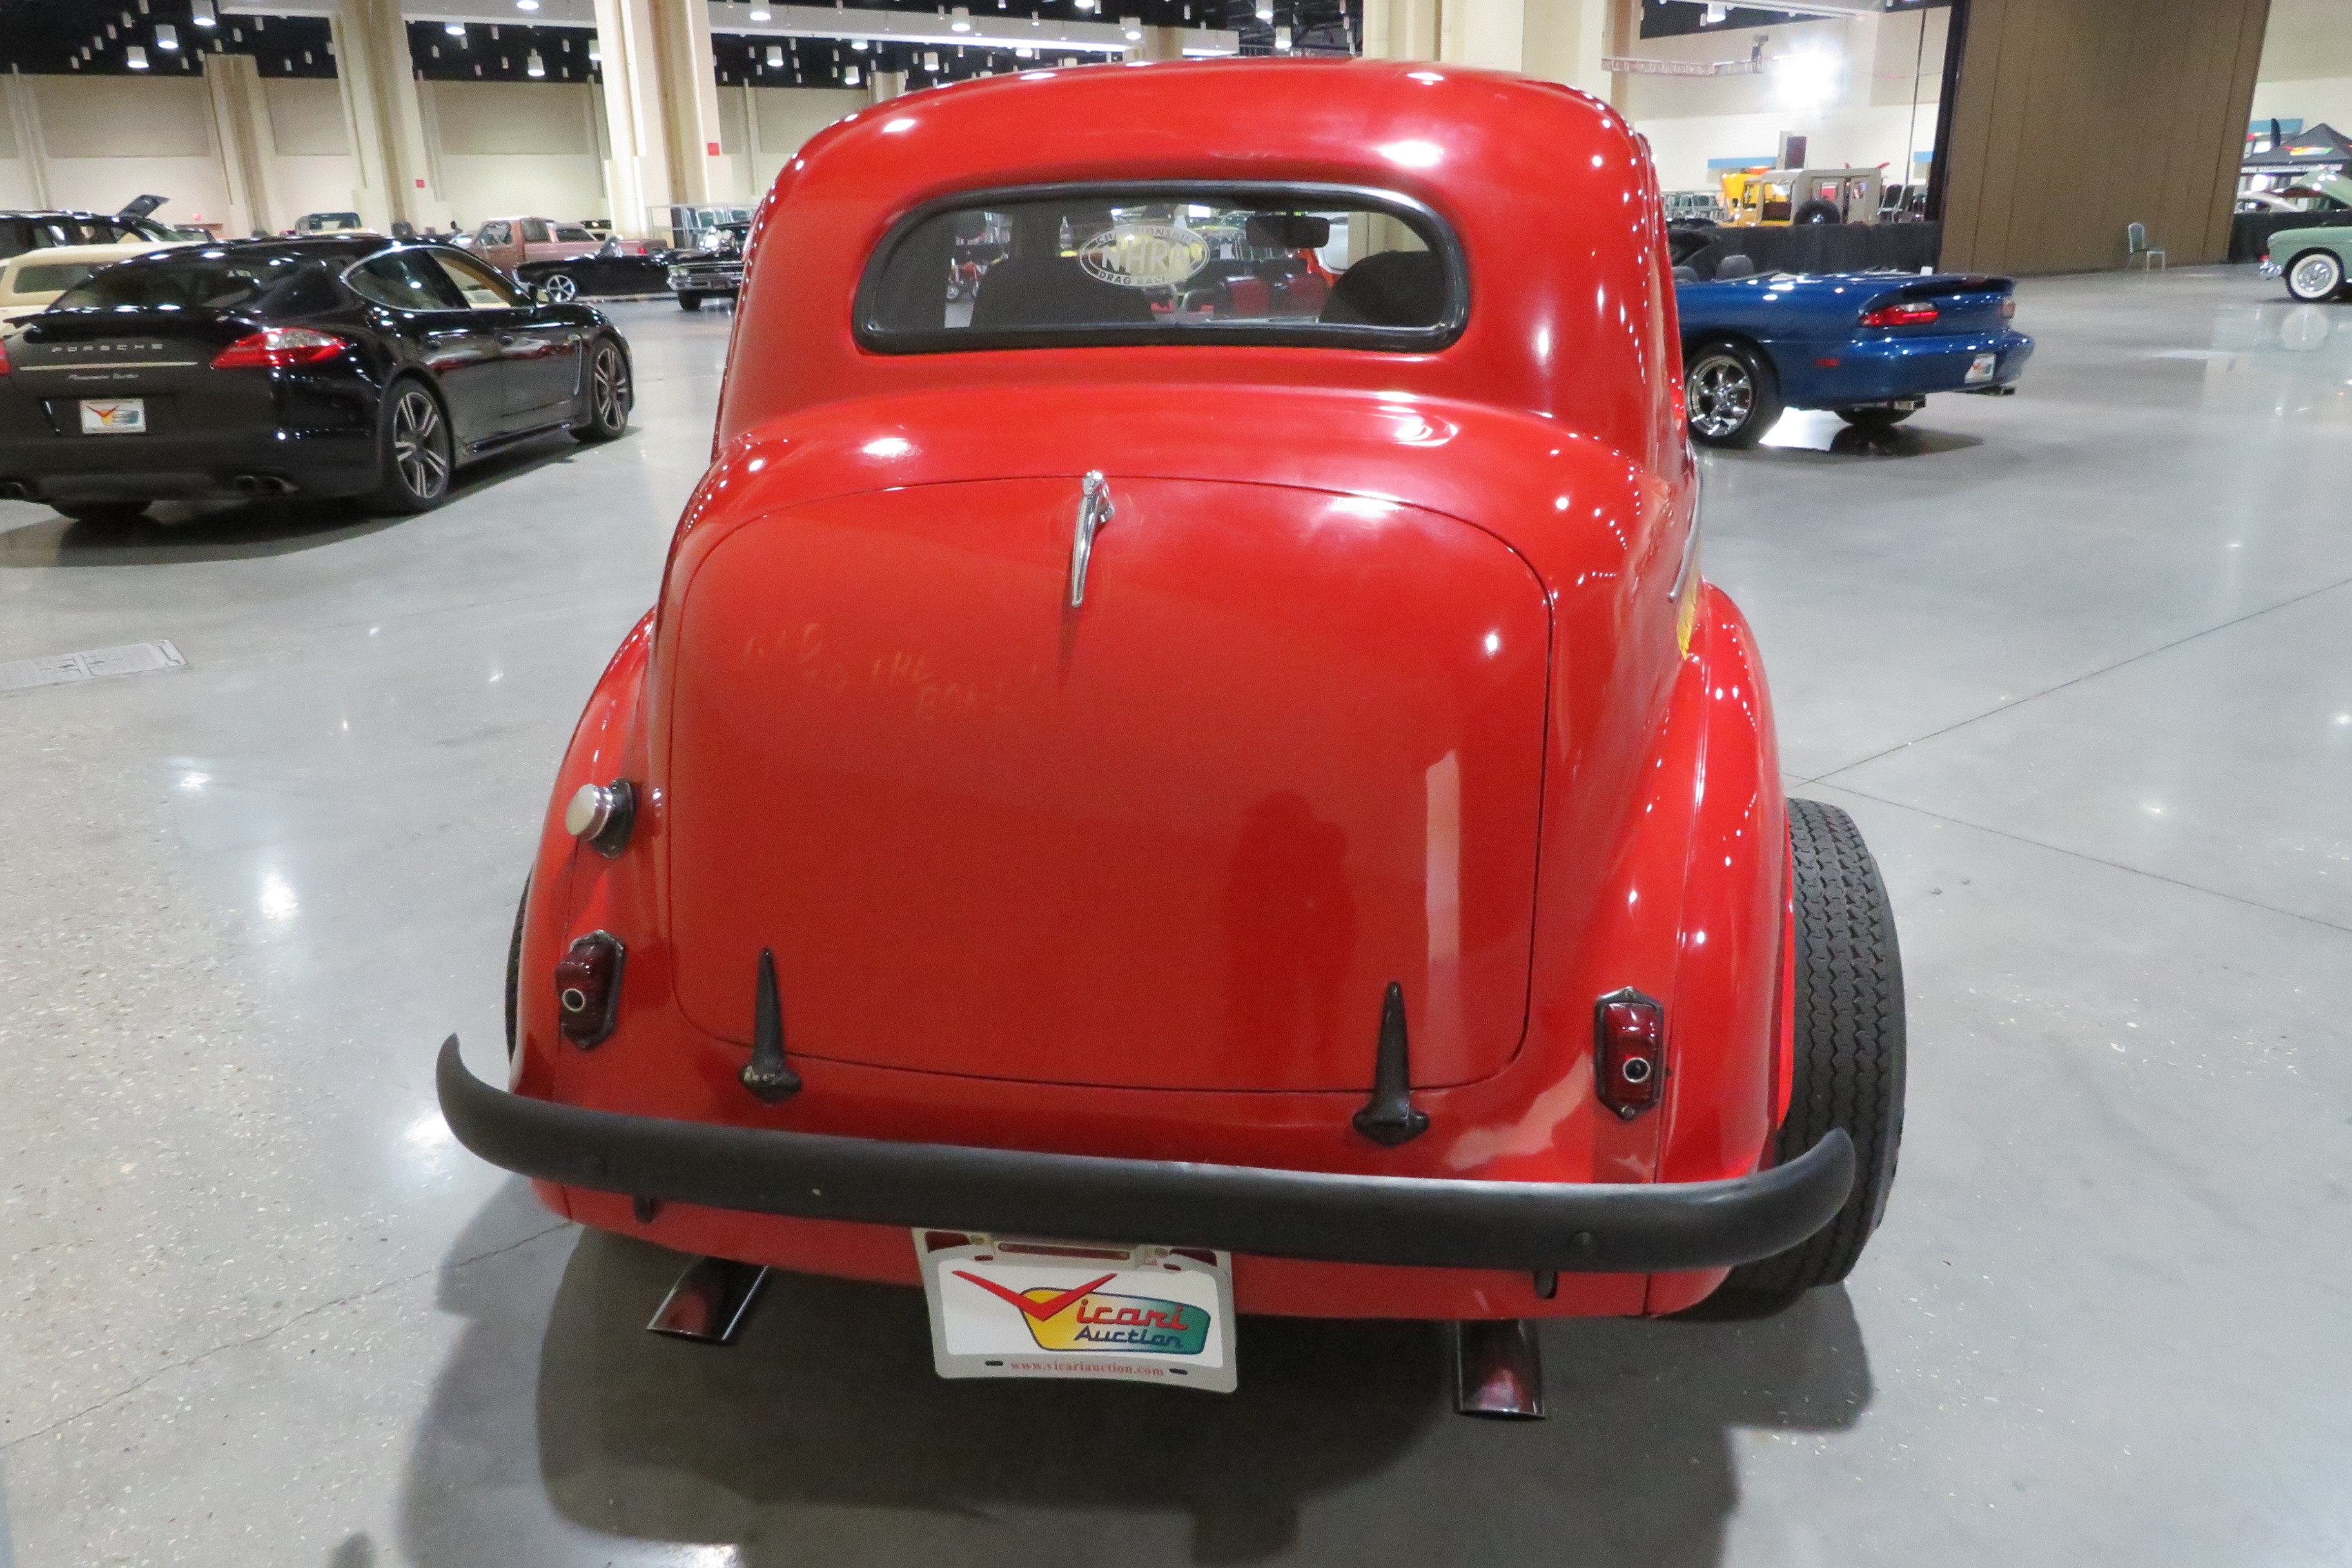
[(1164, 263)]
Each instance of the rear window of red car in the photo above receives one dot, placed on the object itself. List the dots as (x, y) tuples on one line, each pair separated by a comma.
[(1165, 263)]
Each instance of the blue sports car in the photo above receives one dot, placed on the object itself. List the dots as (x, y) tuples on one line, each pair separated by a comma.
[(1870, 345)]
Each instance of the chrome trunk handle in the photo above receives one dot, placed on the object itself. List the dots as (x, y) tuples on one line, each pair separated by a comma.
[(1094, 509)]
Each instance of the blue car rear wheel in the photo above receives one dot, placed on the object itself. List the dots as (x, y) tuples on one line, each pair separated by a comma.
[(1730, 395)]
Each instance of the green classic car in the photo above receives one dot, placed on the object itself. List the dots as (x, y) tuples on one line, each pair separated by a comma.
[(2316, 261)]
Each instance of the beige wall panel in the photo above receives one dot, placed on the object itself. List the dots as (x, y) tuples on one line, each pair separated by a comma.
[(2164, 85), (123, 117), (2307, 39), (791, 115), (1909, 54), (569, 186), (306, 118), (484, 119), (198, 191), (314, 184)]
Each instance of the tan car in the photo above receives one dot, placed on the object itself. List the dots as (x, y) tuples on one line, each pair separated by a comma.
[(30, 280), (569, 259)]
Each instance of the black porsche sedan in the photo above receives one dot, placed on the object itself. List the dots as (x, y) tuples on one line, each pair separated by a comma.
[(341, 366)]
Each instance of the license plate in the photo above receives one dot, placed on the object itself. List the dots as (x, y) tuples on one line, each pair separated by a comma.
[(1002, 1307), (114, 416), (1982, 368)]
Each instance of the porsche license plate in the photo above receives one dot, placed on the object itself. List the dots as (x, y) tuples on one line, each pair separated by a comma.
[(1003, 1307), (114, 416), (1980, 368)]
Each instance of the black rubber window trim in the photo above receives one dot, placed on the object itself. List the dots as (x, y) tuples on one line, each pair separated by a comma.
[(957, 340)]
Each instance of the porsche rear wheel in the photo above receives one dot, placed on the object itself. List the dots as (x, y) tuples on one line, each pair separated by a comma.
[(1730, 395), (417, 455), (1848, 1045), (2314, 276), (610, 397)]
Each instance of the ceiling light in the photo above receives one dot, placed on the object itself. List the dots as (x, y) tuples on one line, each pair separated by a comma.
[(1023, 52), (857, 44), (775, 55), (526, 4), (849, 77), (1134, 27), (930, 59), (167, 36), (758, 14), (201, 13), (1264, 10), (961, 21), (533, 66), (455, 30), (1715, 15), (1281, 40), (137, 59)]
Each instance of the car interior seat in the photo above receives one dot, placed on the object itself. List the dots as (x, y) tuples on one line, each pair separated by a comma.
[(1735, 266), (1054, 292), (1393, 289)]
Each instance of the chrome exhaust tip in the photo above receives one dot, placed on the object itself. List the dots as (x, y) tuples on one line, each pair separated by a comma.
[(711, 1301), (1498, 1370)]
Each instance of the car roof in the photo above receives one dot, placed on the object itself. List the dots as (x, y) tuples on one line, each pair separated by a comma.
[(1465, 143), (348, 247)]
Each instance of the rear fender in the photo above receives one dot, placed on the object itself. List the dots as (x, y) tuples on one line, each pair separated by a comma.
[(574, 889), (1723, 1019)]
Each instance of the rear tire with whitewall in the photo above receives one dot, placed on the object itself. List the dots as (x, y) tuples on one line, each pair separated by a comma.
[(2314, 276)]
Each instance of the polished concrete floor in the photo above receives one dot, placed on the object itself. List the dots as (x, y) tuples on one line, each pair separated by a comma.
[(2080, 661)]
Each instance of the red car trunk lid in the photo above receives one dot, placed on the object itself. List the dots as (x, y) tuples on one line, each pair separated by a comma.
[(1181, 837)]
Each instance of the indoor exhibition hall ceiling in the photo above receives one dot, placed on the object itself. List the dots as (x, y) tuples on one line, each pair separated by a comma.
[(163, 37)]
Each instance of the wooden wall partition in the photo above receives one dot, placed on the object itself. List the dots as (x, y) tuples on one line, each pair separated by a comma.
[(2073, 118)]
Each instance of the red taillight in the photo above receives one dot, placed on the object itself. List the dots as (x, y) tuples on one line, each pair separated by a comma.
[(3, 359), (1629, 1036), (1911, 313), (275, 348), (588, 988)]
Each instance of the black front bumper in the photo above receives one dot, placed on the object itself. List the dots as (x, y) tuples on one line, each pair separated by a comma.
[(1320, 1216)]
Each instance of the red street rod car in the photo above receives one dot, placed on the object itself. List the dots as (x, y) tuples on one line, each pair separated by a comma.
[(1123, 815)]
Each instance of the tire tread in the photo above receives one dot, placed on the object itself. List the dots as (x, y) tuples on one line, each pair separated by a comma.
[(1849, 1042)]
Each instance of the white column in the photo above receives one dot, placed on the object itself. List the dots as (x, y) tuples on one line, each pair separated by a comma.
[(1566, 40), (236, 135), (26, 128), (661, 107), (1490, 33)]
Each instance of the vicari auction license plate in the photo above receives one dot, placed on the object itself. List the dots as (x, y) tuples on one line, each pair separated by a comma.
[(114, 416), (1008, 1307), (1982, 368)]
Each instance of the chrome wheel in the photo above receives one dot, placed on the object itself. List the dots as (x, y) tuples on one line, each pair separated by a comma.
[(420, 446), (608, 390), (2314, 276), (1721, 393), (560, 286)]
